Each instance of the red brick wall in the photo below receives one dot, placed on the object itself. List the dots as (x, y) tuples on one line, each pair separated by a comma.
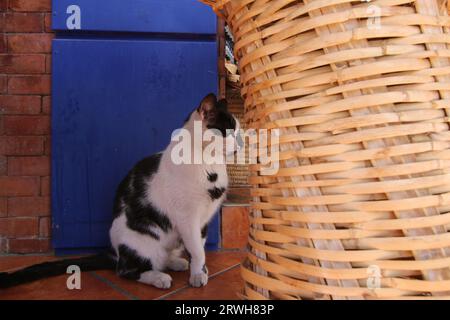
[(25, 62)]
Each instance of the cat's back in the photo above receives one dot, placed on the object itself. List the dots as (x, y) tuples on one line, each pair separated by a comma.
[(133, 187), (148, 166)]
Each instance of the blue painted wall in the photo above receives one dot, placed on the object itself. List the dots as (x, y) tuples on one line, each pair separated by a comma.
[(116, 99), (158, 16)]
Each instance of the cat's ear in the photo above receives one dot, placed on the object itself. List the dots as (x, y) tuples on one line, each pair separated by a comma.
[(222, 104), (208, 106)]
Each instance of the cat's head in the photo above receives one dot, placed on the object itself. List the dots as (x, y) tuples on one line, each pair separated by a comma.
[(215, 116)]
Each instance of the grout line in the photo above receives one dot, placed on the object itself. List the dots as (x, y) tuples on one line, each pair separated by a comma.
[(218, 273), (114, 286), (9, 255), (164, 296)]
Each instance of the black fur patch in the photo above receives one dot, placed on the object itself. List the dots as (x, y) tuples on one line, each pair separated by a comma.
[(130, 197), (141, 218), (212, 176), (131, 265), (222, 121), (218, 117), (204, 231), (216, 193)]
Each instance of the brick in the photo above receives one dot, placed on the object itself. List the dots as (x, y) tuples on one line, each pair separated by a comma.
[(47, 146), (30, 5), (2, 43), (26, 125), (21, 146), (19, 227), (3, 5), (3, 207), (29, 166), (29, 43), (46, 104), (235, 227), (3, 84), (23, 22), (19, 186), (29, 84), (30, 63), (20, 104), (45, 227), (48, 63), (29, 246), (3, 165), (3, 243), (48, 22), (29, 207), (45, 186)]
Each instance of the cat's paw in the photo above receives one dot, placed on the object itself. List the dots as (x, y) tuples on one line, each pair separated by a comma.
[(158, 279), (178, 264), (163, 281), (198, 280)]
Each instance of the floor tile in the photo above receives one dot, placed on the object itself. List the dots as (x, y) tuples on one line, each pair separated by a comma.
[(55, 288), (105, 284), (216, 262), (139, 290), (225, 286), (10, 263)]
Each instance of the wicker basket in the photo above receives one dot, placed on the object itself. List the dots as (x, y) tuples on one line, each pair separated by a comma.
[(361, 92)]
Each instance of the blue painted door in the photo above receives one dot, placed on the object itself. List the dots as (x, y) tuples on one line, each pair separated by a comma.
[(125, 75)]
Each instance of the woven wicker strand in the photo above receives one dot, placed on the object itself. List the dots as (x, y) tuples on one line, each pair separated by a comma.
[(360, 208)]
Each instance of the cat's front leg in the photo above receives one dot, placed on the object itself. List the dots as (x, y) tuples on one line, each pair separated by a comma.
[(192, 239)]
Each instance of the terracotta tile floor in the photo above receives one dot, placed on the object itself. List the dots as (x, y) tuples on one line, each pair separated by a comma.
[(224, 283)]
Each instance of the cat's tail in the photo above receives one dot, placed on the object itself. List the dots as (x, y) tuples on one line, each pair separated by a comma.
[(54, 268)]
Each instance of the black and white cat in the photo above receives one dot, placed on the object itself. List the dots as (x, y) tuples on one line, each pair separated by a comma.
[(161, 206), (161, 209)]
